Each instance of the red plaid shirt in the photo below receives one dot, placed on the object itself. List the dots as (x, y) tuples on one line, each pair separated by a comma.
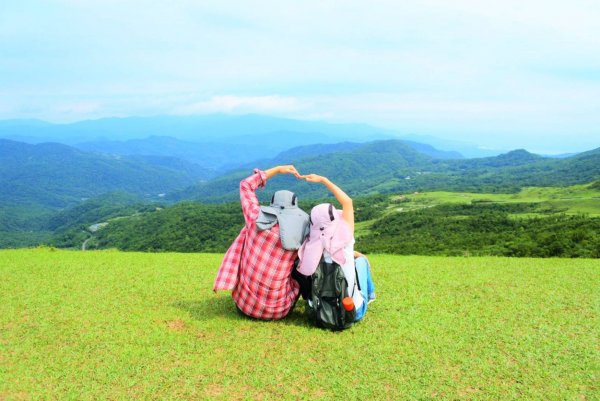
[(256, 267)]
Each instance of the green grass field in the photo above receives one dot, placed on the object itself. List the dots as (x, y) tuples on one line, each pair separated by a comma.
[(571, 200), (122, 326), (576, 199)]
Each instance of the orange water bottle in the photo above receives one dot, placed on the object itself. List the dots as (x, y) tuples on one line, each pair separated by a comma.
[(348, 304)]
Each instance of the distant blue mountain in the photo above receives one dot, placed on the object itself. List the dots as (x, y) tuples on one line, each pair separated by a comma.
[(268, 135), (561, 155), (465, 149), (433, 152), (239, 151), (214, 142), (316, 150), (206, 128), (215, 156)]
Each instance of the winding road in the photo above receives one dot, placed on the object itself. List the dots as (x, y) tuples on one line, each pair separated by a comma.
[(84, 245)]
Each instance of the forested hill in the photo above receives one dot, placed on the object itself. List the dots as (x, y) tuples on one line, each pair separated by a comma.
[(374, 162), (517, 169), (56, 175), (537, 221), (394, 166)]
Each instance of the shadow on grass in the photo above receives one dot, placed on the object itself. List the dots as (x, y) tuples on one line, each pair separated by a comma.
[(209, 308), (224, 307)]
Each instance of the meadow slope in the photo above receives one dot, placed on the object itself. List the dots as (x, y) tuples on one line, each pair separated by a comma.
[(112, 325)]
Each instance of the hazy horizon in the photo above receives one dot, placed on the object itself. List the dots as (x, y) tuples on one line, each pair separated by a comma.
[(500, 75)]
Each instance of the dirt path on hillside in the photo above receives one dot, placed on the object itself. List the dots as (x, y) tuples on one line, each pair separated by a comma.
[(84, 245)]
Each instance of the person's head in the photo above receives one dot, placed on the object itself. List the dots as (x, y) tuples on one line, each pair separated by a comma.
[(323, 217), (328, 231), (292, 221), (284, 199)]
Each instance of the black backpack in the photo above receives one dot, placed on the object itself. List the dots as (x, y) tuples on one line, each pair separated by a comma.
[(329, 287)]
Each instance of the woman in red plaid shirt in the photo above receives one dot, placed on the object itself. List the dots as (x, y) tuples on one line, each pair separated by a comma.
[(256, 267)]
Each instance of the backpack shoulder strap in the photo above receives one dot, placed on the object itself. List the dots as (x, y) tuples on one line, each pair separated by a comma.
[(357, 282)]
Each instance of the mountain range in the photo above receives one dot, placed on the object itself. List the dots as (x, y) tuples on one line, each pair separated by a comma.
[(50, 187), (204, 129), (56, 175), (274, 134), (394, 166)]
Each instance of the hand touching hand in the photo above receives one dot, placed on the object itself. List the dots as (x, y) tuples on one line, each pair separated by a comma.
[(313, 178), (289, 169)]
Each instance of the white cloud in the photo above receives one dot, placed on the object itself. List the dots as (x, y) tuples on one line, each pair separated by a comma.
[(271, 104)]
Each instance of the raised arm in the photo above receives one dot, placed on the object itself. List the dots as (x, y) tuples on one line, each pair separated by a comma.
[(341, 196), (248, 186), (288, 169)]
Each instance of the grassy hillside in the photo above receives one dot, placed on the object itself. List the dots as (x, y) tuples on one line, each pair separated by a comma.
[(538, 221), (574, 199), (110, 325), (484, 229)]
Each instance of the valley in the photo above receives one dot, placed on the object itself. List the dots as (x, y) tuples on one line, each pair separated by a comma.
[(163, 193)]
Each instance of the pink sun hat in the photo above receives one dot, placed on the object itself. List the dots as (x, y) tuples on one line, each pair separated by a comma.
[(328, 231)]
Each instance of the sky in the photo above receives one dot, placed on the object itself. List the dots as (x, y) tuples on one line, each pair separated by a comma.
[(502, 74)]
